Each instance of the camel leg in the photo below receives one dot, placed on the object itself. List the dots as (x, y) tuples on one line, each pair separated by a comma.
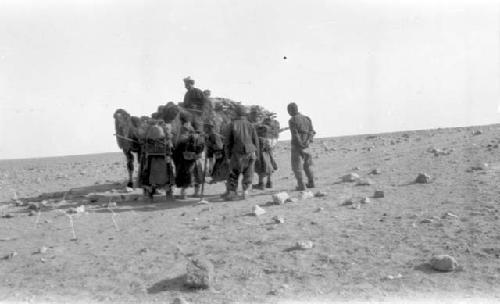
[(130, 167)]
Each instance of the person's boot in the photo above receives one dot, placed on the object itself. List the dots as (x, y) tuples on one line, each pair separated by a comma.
[(260, 185), (196, 191), (169, 193), (310, 184), (231, 196), (269, 183), (310, 178), (223, 195), (300, 182), (183, 193), (245, 192)]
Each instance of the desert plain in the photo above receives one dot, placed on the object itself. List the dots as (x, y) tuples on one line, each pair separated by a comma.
[(70, 231)]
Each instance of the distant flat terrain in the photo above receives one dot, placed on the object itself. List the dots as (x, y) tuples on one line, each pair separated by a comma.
[(368, 252)]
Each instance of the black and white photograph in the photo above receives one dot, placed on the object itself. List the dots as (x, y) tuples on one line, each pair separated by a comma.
[(249, 151)]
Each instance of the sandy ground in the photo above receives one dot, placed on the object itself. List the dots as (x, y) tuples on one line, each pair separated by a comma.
[(379, 252)]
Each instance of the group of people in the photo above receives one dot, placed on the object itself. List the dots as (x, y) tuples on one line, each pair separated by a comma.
[(242, 148)]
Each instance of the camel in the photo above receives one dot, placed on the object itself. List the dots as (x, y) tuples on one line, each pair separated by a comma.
[(126, 127)]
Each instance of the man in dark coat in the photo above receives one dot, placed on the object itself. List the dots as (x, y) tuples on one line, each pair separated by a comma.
[(241, 145), (302, 132), (187, 157), (196, 103)]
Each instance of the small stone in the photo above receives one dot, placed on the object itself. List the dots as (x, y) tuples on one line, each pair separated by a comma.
[(128, 189), (477, 132), (180, 300), (7, 215), (10, 255), (348, 202), (379, 194), (292, 200), (80, 209), (279, 219), (423, 178), (320, 194), (356, 206), (42, 250), (112, 205), (364, 182), (303, 245), (280, 198), (443, 263), (356, 168), (33, 206), (200, 273), (449, 215), (32, 213), (365, 200), (375, 171), (257, 210), (303, 195), (349, 178), (319, 209), (480, 167), (426, 221)]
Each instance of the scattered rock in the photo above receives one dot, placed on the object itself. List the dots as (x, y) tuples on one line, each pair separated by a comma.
[(391, 277), (7, 215), (10, 255), (292, 200), (477, 132), (379, 194), (202, 202), (280, 198), (426, 221), (32, 213), (449, 215), (423, 178), (112, 205), (257, 210), (364, 182), (348, 202), (303, 195), (443, 263), (279, 219), (42, 250), (80, 209), (200, 273), (356, 168), (33, 206), (320, 194), (319, 209), (180, 300), (375, 172), (303, 245), (356, 206), (479, 167), (349, 178), (365, 200)]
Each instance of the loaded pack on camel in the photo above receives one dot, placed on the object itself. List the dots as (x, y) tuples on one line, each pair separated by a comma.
[(188, 133)]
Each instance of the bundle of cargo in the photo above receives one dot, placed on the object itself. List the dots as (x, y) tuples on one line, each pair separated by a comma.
[(225, 111), (220, 114)]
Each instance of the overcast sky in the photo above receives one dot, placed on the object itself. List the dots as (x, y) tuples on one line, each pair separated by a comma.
[(352, 66)]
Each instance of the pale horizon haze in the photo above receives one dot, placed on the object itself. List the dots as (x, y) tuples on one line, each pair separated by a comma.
[(354, 67)]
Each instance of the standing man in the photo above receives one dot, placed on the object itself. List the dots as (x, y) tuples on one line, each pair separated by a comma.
[(302, 135), (241, 145), (195, 102)]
